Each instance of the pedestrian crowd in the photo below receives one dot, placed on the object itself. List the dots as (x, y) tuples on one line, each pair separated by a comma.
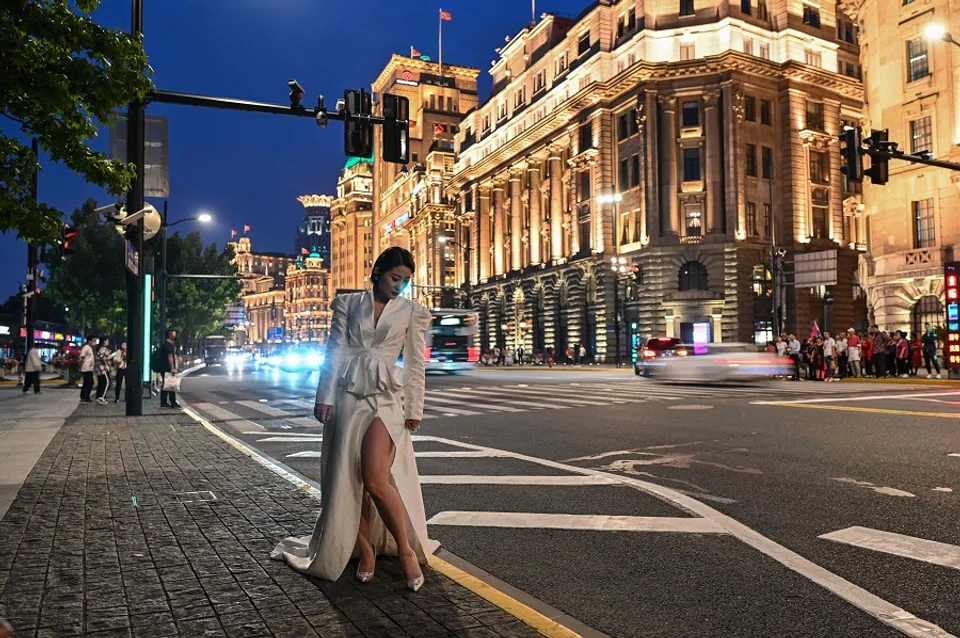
[(877, 353), (108, 366), (573, 355)]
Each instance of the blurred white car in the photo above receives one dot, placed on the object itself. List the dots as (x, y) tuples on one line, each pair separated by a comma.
[(721, 362)]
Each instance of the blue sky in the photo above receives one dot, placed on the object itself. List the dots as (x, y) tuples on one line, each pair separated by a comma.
[(248, 168)]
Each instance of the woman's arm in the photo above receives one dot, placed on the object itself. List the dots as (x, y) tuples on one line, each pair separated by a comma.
[(332, 360), (414, 377)]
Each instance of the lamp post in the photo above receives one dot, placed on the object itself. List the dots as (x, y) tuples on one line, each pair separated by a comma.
[(203, 218), (936, 31), (613, 199), (444, 240), (621, 272)]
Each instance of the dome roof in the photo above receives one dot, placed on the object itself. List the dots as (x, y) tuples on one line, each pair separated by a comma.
[(353, 161)]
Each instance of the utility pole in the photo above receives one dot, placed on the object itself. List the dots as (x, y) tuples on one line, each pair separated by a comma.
[(135, 156), (30, 292), (163, 267)]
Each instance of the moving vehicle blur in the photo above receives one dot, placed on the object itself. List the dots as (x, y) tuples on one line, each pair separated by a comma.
[(451, 341), (299, 359), (650, 351), (214, 350), (718, 363)]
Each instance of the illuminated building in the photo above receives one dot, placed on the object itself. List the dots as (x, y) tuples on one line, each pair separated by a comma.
[(251, 266), (661, 134), (264, 311), (263, 277), (412, 208), (314, 232), (351, 233), (911, 86), (307, 312)]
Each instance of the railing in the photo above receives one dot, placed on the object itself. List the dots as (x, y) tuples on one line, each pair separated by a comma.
[(920, 257), (691, 239)]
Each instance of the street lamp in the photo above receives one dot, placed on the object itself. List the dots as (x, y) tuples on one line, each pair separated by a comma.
[(615, 199), (203, 218), (936, 31), (621, 272), (444, 240)]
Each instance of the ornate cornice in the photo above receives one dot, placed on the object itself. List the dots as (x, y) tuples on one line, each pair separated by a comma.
[(817, 139)]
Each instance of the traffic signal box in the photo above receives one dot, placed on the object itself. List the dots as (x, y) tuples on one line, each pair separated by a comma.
[(358, 127), (951, 281)]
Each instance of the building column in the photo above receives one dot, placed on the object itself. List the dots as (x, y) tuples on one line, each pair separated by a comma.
[(556, 204), (475, 261), (485, 230), (534, 184), (669, 211), (498, 229), (714, 212), (649, 125), (516, 220)]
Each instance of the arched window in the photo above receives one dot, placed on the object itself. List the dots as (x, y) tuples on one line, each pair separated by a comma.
[(693, 276), (927, 310), (762, 281)]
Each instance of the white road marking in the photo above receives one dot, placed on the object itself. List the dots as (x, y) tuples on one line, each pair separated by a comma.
[(579, 522), (957, 454), (310, 454), (879, 489), (264, 409), (451, 411), (292, 439), (495, 396), (285, 434), (477, 479), (461, 455), (550, 396), (899, 545), (225, 416), (498, 408), (690, 407), (861, 397), (263, 400)]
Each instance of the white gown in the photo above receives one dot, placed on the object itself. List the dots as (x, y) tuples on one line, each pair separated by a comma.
[(362, 381)]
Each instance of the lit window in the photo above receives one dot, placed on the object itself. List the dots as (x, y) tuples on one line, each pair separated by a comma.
[(815, 115), (921, 134), (924, 231), (819, 167), (918, 65)]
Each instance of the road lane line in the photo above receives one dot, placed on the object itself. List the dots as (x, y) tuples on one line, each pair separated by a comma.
[(841, 408), (498, 408), (429, 455), (953, 455), (495, 395), (884, 611), (920, 549), (226, 417), (264, 409), (496, 479), (456, 411), (859, 397), (600, 523)]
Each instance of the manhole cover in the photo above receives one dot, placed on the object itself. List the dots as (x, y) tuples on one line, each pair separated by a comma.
[(690, 407)]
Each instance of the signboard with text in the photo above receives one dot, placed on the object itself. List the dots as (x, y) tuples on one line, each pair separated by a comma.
[(275, 334), (951, 291), (156, 152)]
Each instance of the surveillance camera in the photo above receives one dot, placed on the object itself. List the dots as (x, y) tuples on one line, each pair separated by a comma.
[(341, 105), (110, 210), (322, 119), (296, 92)]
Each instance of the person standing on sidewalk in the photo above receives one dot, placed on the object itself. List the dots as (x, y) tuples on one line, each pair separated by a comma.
[(929, 343), (104, 356), (853, 353), (120, 363), (880, 343), (168, 366), (88, 363), (829, 356), (372, 500), (32, 366), (842, 346)]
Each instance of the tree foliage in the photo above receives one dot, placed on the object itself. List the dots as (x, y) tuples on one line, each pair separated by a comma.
[(62, 75)]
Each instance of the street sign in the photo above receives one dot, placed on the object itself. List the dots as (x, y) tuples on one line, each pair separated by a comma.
[(234, 315), (156, 152), (275, 334), (815, 269), (133, 259), (951, 290)]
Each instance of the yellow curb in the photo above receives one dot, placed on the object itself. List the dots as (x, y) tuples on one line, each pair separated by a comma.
[(940, 415), (512, 606), (911, 381)]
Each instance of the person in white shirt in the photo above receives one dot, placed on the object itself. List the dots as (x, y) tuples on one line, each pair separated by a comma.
[(829, 352), (841, 355), (31, 368), (793, 351), (88, 363)]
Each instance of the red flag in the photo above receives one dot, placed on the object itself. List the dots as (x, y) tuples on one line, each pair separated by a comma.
[(438, 128), (304, 251), (233, 234), (414, 53), (413, 123), (445, 15), (246, 228)]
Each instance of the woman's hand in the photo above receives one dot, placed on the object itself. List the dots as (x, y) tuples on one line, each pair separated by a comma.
[(322, 412), (412, 425)]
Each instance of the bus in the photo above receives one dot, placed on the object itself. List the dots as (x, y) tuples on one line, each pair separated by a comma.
[(214, 350), (451, 341)]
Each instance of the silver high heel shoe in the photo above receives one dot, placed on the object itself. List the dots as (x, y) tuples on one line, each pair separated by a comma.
[(415, 584), (364, 577)]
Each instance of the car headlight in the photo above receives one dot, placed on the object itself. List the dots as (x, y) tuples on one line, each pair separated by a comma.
[(315, 360), (292, 360)]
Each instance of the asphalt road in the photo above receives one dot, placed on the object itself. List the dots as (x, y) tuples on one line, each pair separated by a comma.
[(643, 509)]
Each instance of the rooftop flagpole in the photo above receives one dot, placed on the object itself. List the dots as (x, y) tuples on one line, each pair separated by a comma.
[(440, 43)]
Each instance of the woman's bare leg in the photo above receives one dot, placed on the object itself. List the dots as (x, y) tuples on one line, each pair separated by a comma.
[(368, 557), (376, 454)]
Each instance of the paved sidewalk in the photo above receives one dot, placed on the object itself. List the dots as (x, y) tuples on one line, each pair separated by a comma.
[(153, 526)]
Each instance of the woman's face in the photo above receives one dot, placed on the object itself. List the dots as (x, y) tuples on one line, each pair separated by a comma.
[(392, 282)]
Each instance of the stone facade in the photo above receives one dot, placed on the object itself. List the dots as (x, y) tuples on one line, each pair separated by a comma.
[(352, 228), (911, 90), (307, 313), (412, 207), (264, 310), (666, 140)]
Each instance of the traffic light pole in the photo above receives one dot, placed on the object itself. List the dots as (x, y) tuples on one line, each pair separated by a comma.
[(135, 156), (29, 300), (914, 159)]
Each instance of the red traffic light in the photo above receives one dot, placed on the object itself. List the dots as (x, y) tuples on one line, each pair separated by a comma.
[(69, 238)]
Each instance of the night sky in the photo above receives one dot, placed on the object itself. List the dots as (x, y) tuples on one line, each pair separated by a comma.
[(248, 168)]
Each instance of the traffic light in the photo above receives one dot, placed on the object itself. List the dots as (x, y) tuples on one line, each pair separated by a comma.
[(396, 129), (69, 240), (879, 169), (851, 142), (357, 128)]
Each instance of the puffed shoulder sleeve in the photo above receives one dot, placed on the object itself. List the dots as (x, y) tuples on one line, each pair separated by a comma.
[(333, 359), (414, 377)]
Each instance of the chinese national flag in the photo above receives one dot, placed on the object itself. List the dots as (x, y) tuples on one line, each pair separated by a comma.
[(304, 251), (246, 228), (445, 15), (414, 53), (438, 128), (233, 233)]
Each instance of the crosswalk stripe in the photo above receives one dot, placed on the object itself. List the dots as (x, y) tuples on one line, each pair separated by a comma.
[(315, 454), (551, 396), (448, 410), (227, 417), (497, 479), (920, 549), (264, 409), (579, 522), (495, 395), (497, 408)]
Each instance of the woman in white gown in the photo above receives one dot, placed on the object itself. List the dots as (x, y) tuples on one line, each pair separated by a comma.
[(367, 454)]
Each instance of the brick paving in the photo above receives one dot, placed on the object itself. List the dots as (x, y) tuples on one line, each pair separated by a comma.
[(102, 540)]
